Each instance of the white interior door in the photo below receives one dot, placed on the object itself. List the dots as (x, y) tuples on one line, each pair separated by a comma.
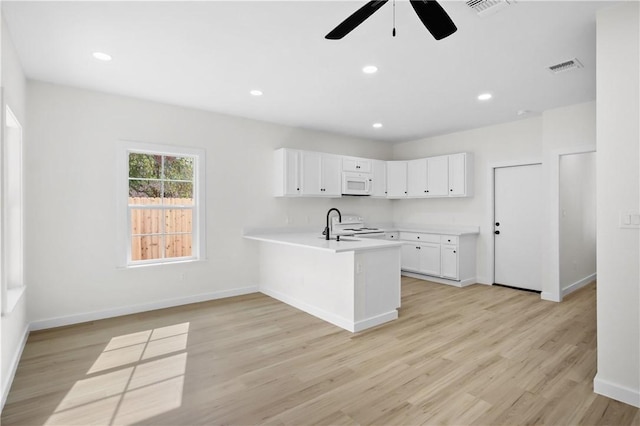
[(518, 226)]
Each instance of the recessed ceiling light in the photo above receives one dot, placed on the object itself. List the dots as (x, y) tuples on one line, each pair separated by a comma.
[(485, 96), (377, 125), (370, 69), (101, 56), (256, 92)]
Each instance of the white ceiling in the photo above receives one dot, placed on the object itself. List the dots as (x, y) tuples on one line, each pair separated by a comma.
[(209, 54)]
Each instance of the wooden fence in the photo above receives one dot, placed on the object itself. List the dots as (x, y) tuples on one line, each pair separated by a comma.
[(178, 230)]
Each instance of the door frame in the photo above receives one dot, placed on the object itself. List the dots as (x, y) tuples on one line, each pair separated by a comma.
[(490, 209), (552, 290)]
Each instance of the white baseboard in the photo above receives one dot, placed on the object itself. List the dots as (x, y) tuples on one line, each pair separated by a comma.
[(579, 284), (377, 320), (551, 297), (134, 309), (463, 283), (312, 310), (617, 392), (13, 367)]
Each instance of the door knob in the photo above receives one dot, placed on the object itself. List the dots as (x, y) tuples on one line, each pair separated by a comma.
[(497, 223), (497, 232)]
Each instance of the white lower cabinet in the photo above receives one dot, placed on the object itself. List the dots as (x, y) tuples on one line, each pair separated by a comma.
[(449, 257), (422, 258)]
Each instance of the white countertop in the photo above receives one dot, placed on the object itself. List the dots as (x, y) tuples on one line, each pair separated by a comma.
[(458, 230), (317, 241)]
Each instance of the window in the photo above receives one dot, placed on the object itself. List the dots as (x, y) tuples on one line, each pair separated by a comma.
[(164, 214), (12, 211)]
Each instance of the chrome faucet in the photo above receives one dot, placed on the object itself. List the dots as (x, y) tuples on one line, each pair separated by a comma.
[(326, 230)]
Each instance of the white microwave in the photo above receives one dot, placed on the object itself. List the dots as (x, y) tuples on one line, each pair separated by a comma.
[(356, 183)]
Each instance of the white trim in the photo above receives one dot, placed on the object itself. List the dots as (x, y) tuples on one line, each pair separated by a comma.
[(616, 391), (490, 209), (374, 321), (134, 309), (13, 367), (551, 297), (123, 245), (11, 268), (579, 284), (312, 310), (11, 298), (438, 280), (553, 161)]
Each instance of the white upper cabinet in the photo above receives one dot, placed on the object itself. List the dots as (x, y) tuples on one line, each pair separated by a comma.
[(379, 178), (438, 176), (354, 164), (396, 179), (321, 175), (316, 174), (417, 178), (460, 175), (287, 173)]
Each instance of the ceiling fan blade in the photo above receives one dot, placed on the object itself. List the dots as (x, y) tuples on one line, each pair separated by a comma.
[(357, 18), (434, 17)]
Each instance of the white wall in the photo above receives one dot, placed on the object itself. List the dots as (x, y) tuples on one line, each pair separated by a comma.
[(71, 200), (577, 220), (13, 324), (618, 178), (537, 139), (515, 142)]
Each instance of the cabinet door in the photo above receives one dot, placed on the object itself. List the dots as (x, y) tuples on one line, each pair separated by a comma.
[(457, 174), (286, 173), (429, 259), (417, 178), (331, 176), (354, 164), (311, 173), (438, 176), (379, 178), (409, 257), (449, 261), (396, 179)]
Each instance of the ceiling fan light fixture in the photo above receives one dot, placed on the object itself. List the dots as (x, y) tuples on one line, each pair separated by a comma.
[(485, 96), (370, 69)]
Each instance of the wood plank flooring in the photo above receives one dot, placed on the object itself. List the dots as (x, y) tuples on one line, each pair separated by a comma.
[(479, 355)]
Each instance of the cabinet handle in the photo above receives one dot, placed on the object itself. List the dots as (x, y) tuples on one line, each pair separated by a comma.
[(454, 251), (497, 232), (449, 240), (405, 192), (426, 190), (451, 190), (418, 236), (497, 223), (418, 248), (297, 189)]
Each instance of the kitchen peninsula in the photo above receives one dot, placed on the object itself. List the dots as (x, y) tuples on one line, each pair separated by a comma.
[(352, 283)]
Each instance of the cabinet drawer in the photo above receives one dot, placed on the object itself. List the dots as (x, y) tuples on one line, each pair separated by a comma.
[(449, 239), (416, 236)]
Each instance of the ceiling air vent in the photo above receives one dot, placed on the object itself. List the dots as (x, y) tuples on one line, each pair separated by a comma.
[(488, 7), (571, 64)]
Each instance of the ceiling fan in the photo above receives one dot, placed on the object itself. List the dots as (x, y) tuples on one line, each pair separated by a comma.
[(432, 15)]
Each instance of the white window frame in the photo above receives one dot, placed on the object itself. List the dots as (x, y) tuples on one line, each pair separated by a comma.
[(12, 213), (198, 244)]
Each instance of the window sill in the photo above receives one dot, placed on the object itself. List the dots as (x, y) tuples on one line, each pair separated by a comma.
[(13, 296), (146, 265)]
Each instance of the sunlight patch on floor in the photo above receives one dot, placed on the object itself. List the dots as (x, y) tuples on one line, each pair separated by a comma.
[(137, 376)]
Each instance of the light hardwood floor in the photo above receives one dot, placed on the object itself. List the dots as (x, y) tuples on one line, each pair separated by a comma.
[(479, 355)]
